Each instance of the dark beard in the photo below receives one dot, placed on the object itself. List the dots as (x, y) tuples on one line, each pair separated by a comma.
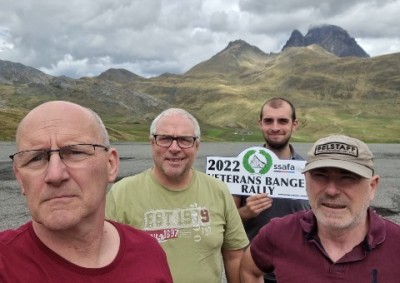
[(277, 145)]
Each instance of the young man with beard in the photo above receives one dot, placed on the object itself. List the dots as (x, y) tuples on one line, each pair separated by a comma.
[(277, 123), (191, 214), (341, 239)]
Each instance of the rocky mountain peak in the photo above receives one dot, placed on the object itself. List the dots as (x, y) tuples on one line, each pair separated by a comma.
[(238, 47), (332, 38), (296, 40)]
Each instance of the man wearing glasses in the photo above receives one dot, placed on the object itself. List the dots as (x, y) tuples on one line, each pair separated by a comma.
[(192, 215), (63, 165)]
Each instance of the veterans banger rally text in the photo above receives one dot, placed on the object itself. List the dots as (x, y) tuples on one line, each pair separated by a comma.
[(258, 170)]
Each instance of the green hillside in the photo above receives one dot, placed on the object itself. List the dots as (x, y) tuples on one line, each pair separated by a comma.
[(354, 96)]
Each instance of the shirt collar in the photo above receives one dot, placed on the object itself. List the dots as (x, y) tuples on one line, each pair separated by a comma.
[(376, 231)]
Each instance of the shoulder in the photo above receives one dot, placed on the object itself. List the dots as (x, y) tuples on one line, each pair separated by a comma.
[(129, 182), (209, 183), (383, 230), (292, 218), (282, 229), (292, 223), (393, 227), (203, 177), (133, 236), (8, 237), (295, 155), (134, 178)]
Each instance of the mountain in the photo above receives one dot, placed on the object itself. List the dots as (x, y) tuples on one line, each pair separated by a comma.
[(350, 95), (237, 59), (296, 40), (333, 38), (119, 76), (11, 73)]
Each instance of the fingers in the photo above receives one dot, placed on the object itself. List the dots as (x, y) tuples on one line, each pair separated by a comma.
[(257, 203), (258, 199)]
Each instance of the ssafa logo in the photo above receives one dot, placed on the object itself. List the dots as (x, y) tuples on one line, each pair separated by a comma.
[(286, 168), (257, 161)]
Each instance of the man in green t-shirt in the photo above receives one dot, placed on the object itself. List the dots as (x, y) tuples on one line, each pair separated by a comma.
[(192, 215)]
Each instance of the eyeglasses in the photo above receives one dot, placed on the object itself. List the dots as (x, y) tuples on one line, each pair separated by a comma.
[(39, 158), (166, 141)]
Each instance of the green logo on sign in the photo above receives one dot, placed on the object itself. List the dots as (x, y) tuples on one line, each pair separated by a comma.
[(261, 161)]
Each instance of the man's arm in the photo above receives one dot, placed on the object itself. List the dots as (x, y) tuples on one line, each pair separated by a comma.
[(249, 272), (232, 260), (255, 204)]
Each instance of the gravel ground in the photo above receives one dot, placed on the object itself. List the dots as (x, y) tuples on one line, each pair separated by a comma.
[(136, 157)]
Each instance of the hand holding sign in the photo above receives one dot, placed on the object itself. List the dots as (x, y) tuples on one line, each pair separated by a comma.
[(256, 204), (258, 170)]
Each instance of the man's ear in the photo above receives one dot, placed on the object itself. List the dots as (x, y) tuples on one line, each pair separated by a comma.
[(295, 125), (259, 123), (373, 184), (113, 164), (151, 140), (18, 178)]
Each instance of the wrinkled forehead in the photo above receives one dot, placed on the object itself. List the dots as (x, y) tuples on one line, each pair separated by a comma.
[(60, 123)]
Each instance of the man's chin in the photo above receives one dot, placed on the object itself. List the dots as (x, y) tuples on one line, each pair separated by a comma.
[(277, 145), (57, 221)]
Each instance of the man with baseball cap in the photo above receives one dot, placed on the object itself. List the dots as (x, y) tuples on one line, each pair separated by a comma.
[(340, 239)]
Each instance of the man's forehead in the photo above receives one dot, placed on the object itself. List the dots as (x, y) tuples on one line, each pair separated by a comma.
[(175, 121), (58, 123), (281, 108), (41, 129)]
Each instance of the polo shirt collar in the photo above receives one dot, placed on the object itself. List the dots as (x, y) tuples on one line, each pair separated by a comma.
[(376, 231)]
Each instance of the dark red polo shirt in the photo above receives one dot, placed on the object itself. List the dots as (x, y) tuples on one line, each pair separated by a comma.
[(290, 247)]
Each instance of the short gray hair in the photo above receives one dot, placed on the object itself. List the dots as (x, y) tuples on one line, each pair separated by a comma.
[(175, 112)]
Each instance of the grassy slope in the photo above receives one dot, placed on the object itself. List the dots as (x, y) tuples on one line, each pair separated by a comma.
[(359, 97)]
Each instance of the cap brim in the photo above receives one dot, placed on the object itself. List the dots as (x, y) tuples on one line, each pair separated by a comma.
[(358, 169)]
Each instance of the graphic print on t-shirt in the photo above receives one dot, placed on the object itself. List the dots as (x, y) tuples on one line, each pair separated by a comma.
[(191, 222)]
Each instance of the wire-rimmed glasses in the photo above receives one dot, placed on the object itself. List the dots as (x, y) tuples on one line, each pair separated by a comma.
[(70, 155)]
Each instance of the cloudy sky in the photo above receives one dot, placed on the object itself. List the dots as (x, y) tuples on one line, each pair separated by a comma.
[(80, 38)]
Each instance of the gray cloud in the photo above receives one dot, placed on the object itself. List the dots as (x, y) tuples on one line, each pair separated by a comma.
[(84, 38)]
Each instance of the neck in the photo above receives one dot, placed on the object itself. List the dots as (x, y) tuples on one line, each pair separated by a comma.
[(338, 242), (93, 247), (174, 183)]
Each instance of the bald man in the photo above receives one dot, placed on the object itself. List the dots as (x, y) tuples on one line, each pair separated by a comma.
[(63, 165)]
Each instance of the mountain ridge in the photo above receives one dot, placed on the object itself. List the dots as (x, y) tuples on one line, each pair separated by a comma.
[(330, 37), (225, 92)]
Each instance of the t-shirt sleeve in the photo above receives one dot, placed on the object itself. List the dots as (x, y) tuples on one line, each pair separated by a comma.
[(235, 236), (262, 249)]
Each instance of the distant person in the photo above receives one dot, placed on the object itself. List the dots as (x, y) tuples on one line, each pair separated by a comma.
[(277, 123), (192, 215), (341, 239), (63, 165)]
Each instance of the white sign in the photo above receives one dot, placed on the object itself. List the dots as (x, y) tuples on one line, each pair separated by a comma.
[(258, 170)]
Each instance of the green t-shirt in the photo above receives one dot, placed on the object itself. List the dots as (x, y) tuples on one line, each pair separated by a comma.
[(192, 225)]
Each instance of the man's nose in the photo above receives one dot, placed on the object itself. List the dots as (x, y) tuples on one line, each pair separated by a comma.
[(56, 169), (331, 186), (174, 145)]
